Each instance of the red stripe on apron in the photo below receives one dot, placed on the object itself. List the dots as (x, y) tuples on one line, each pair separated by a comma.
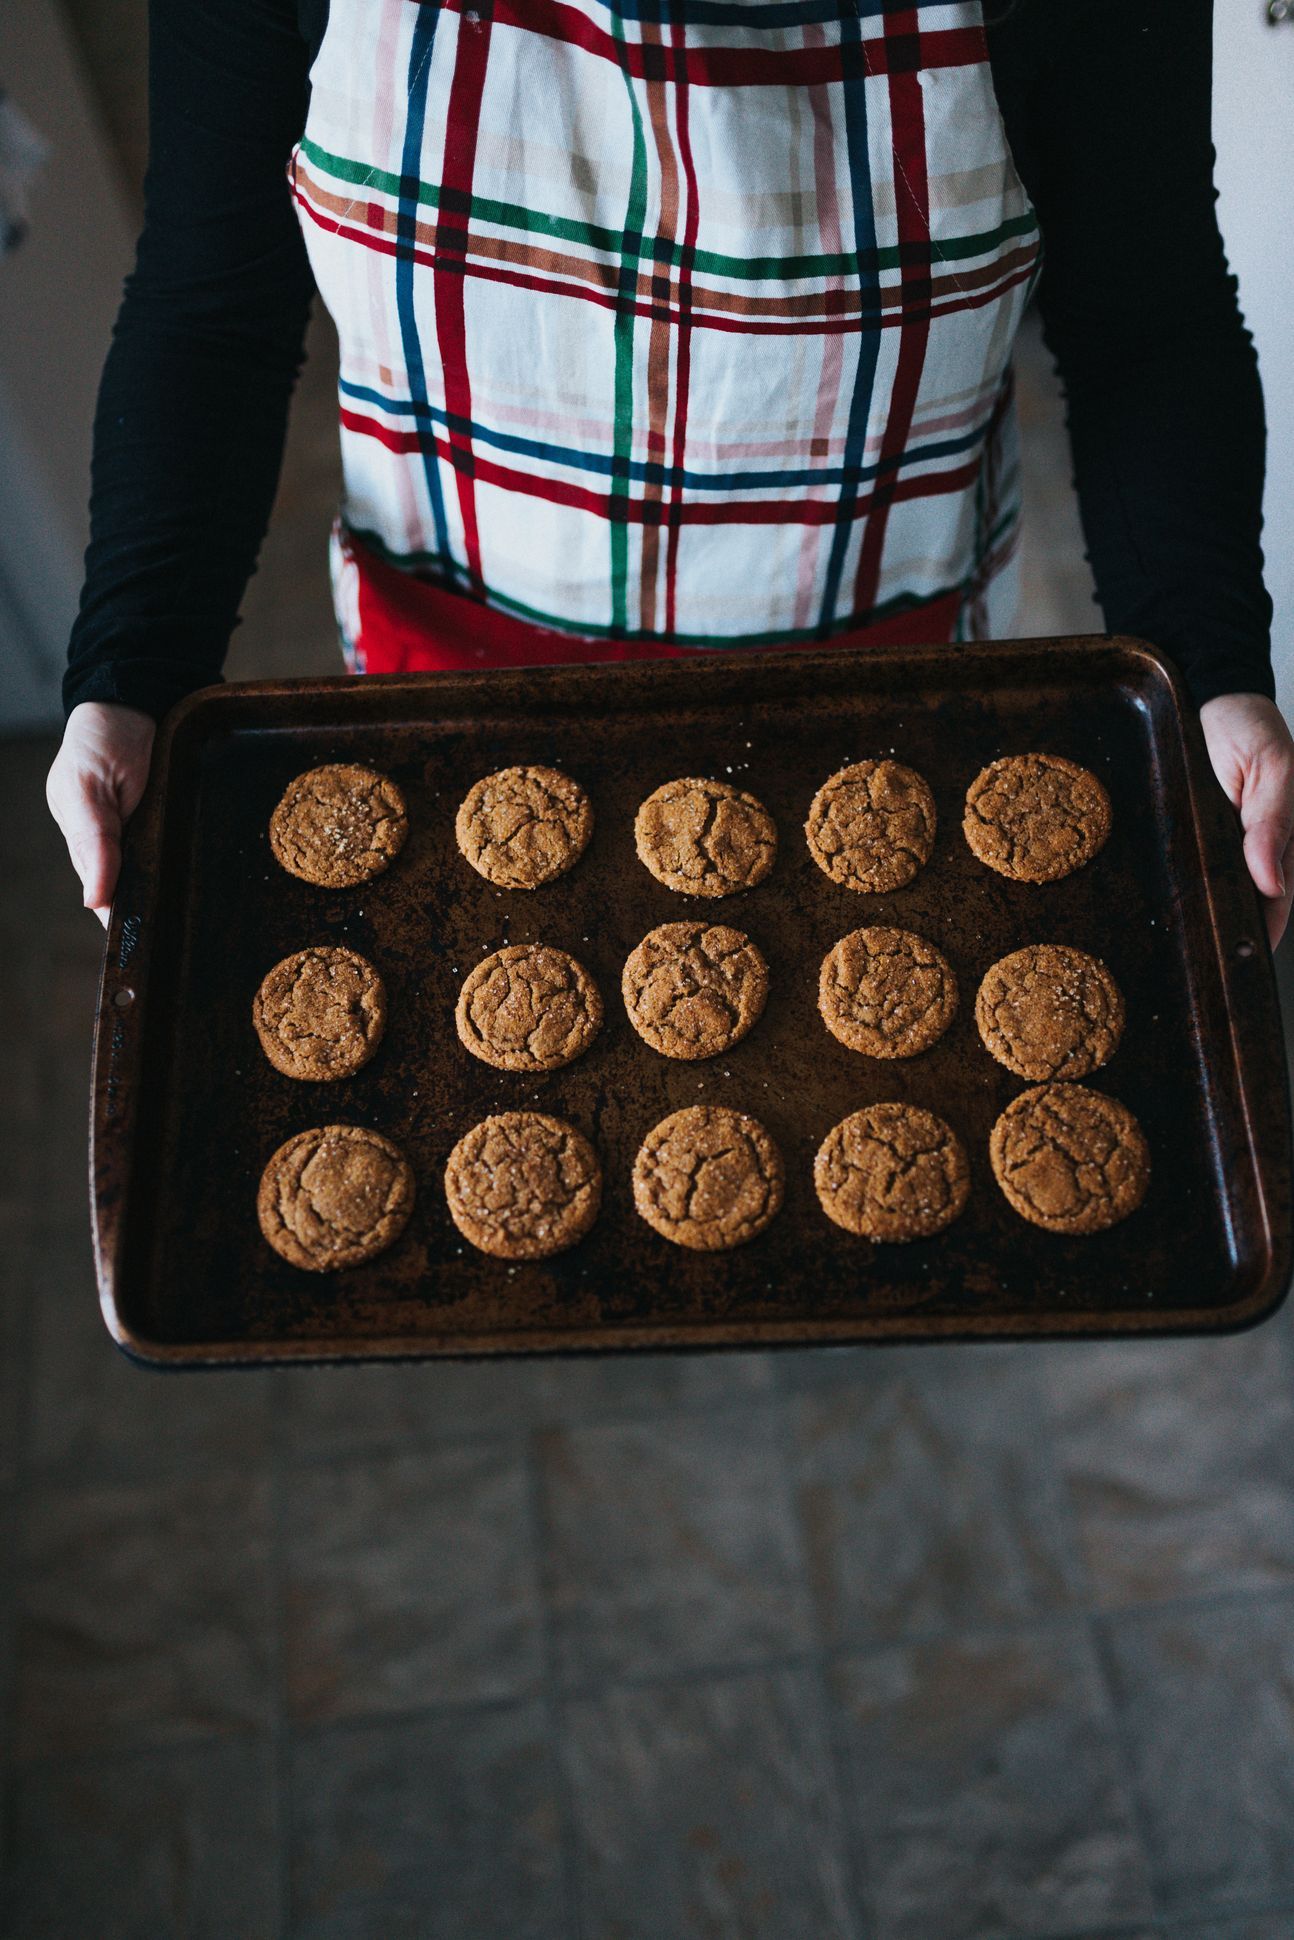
[(408, 625)]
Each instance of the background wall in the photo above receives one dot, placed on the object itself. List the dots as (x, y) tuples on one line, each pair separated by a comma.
[(79, 71), (58, 296), (1253, 110)]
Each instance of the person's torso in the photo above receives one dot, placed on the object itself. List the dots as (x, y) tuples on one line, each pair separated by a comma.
[(684, 319)]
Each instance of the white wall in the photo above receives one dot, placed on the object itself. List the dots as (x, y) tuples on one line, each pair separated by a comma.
[(58, 296), (1253, 128)]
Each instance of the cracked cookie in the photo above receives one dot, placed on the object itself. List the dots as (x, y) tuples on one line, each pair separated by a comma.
[(694, 989), (1069, 1159), (334, 1196), (708, 1178), (872, 826), (528, 1008), (705, 838), (1050, 1011), (522, 827), (886, 992), (339, 825), (1036, 817), (522, 1185), (892, 1171), (320, 1014)]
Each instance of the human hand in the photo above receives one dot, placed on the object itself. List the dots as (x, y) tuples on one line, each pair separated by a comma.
[(94, 788), (1252, 753)]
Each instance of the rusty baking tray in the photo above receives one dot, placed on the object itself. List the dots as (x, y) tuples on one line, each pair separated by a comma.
[(186, 1110)]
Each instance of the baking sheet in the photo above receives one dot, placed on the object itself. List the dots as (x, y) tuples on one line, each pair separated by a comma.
[(186, 1109)]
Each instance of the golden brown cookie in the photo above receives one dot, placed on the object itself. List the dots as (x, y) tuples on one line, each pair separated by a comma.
[(1050, 1011), (1036, 817), (1069, 1159), (705, 838), (339, 825), (334, 1196), (708, 1178), (693, 989), (886, 992), (892, 1171), (523, 826), (528, 1007), (523, 1185), (320, 1014), (872, 826)]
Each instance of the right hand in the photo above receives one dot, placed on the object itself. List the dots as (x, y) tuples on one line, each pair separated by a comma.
[(94, 788)]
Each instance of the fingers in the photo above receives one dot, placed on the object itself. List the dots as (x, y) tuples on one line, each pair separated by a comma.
[(94, 785), (1267, 818), (1266, 843), (97, 858), (1277, 911), (91, 825)]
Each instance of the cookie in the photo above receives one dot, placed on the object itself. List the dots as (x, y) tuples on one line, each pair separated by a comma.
[(886, 992), (334, 1196), (872, 826), (705, 838), (522, 1185), (528, 1007), (1036, 817), (339, 825), (1069, 1159), (694, 989), (320, 1014), (892, 1172), (521, 827), (708, 1178), (1050, 1011)]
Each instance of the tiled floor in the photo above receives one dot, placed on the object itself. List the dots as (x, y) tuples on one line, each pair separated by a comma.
[(978, 1644), (974, 1644)]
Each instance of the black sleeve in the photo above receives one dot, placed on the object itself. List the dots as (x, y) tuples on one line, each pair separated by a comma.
[(1107, 108), (193, 403)]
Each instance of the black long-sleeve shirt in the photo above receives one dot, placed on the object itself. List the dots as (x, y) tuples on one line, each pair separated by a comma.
[(1107, 110)]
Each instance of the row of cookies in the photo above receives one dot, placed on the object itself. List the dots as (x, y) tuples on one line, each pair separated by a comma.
[(871, 826), (523, 1185), (691, 991)]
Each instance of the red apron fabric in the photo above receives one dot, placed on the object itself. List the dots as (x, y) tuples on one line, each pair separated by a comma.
[(400, 624)]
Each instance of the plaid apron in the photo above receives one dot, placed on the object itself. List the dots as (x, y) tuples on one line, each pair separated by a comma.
[(664, 324)]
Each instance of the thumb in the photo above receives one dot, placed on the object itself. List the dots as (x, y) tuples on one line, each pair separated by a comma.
[(92, 823), (1267, 818)]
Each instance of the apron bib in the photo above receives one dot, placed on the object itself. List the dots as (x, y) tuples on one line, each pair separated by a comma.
[(664, 324)]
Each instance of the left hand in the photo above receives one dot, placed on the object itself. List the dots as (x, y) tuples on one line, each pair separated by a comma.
[(1252, 753)]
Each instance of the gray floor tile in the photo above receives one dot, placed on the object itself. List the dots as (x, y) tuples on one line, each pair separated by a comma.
[(706, 1811), (669, 1544), (439, 1828), (1206, 1698), (145, 1615), (340, 1411), (22, 1130), (929, 1501), (634, 1386), (22, 1257), (170, 1845), (410, 1582), (1253, 1926), (95, 1415), (987, 1789), (878, 1364), (65, 1100), (1179, 1458)]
